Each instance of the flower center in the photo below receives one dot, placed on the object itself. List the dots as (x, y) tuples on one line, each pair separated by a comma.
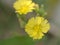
[(23, 9), (36, 27)]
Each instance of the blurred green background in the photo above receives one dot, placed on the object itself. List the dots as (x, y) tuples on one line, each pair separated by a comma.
[(12, 34)]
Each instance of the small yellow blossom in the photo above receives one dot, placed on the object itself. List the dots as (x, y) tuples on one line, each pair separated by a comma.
[(36, 27), (24, 6)]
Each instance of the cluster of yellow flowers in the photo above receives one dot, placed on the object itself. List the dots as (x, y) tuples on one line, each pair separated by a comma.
[(36, 26)]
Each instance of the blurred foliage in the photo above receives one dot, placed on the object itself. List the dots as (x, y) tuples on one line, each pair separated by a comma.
[(23, 40)]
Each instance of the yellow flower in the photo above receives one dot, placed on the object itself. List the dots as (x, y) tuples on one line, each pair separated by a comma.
[(24, 6), (36, 27)]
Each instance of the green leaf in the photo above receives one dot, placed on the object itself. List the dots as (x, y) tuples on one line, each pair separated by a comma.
[(24, 40)]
